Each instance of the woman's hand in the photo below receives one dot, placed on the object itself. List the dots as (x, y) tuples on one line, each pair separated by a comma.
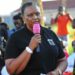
[(35, 40), (55, 72)]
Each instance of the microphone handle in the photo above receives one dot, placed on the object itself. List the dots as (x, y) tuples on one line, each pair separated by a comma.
[(38, 48)]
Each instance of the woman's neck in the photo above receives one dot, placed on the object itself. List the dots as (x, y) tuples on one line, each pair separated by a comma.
[(29, 28)]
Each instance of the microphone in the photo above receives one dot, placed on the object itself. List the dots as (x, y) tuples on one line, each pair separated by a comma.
[(36, 30)]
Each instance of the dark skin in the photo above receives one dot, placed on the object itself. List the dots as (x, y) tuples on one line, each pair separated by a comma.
[(31, 17), (18, 23), (18, 64)]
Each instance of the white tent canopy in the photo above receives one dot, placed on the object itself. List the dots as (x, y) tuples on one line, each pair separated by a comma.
[(8, 6)]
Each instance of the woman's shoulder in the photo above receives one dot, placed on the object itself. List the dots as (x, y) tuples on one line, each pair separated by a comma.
[(49, 31), (17, 33)]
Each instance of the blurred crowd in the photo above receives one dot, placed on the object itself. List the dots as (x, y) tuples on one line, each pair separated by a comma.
[(5, 34)]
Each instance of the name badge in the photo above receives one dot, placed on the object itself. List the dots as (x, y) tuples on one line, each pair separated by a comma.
[(51, 42)]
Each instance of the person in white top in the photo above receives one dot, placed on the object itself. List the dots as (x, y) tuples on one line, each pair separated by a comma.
[(71, 59)]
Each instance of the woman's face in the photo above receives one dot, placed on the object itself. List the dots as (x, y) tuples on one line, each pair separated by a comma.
[(31, 15)]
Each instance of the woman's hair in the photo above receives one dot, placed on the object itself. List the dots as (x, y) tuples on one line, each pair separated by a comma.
[(24, 6)]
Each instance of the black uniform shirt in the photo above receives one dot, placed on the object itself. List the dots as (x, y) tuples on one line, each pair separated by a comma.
[(42, 61)]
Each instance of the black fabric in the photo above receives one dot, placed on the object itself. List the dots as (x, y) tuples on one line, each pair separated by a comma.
[(1, 60), (41, 62)]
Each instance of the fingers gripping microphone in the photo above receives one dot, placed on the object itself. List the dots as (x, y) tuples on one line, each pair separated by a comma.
[(36, 30)]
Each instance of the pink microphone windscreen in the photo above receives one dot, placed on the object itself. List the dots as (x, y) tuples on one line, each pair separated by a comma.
[(36, 28)]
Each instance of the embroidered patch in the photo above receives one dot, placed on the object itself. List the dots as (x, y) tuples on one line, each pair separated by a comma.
[(51, 42)]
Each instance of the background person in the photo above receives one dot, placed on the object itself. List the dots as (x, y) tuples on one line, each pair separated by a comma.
[(3, 41), (71, 60), (62, 20), (18, 22)]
